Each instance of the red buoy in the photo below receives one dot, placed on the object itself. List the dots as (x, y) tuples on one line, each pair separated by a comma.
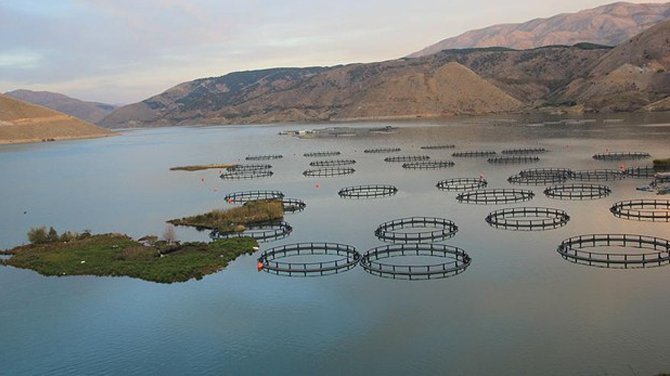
[(259, 266)]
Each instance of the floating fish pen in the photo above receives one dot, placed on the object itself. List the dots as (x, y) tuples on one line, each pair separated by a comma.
[(495, 196), (456, 261), (368, 191), (514, 159), (293, 205), (428, 165), (245, 174), (528, 219), (407, 158), (474, 154), (325, 172), (578, 192), (437, 147), (642, 210), (276, 260), (264, 157), (621, 156), (547, 172), (598, 174), (525, 151), (319, 154), (242, 197), (461, 184), (434, 230), (266, 232), (381, 150), (655, 251), (536, 179), (249, 167), (647, 172), (332, 163)]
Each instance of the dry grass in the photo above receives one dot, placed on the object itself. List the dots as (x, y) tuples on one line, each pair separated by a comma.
[(203, 167), (235, 219)]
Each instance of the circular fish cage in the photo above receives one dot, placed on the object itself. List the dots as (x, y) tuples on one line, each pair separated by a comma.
[(407, 158), (293, 205), (325, 172), (266, 232), (647, 251), (461, 184), (495, 196), (434, 230), (456, 260), (642, 210), (647, 172), (275, 260), (528, 219), (245, 196), (578, 192), (474, 154), (332, 163), (368, 191), (546, 172), (381, 150), (263, 157), (245, 174), (598, 174), (525, 151), (428, 165), (536, 179), (438, 147), (621, 156), (318, 154), (514, 159), (249, 167)]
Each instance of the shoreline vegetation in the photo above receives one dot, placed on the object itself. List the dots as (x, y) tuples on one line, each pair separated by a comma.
[(235, 219), (662, 164), (203, 167)]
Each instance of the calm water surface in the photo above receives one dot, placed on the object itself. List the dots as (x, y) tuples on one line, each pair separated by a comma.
[(519, 309)]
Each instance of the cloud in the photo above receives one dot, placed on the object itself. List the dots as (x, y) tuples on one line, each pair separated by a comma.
[(19, 60)]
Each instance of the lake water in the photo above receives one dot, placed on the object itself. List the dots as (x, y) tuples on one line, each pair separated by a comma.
[(519, 309)]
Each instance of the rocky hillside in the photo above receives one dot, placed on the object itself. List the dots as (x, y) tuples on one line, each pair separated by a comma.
[(24, 122), (92, 112), (606, 25)]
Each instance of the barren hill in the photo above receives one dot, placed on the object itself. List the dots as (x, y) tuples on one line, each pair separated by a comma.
[(24, 122), (610, 25), (92, 112)]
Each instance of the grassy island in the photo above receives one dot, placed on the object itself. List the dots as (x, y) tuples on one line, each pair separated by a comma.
[(235, 219), (662, 164), (120, 255), (202, 167)]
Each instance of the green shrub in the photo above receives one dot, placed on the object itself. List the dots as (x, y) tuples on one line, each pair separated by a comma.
[(38, 235)]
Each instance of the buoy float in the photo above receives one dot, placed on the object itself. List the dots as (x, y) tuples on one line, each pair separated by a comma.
[(317, 186), (259, 266)]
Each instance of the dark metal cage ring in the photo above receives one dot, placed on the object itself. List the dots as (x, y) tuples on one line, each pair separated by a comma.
[(433, 230), (275, 260), (528, 219)]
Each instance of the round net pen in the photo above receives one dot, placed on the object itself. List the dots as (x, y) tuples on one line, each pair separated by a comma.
[(547, 172), (379, 261), (430, 230), (326, 172), (319, 154), (620, 251), (598, 174), (249, 167), (332, 163), (578, 192), (245, 174), (621, 156), (278, 261), (514, 159), (474, 154), (461, 184), (536, 179), (368, 191), (438, 147), (293, 205), (495, 196), (428, 165), (381, 150), (264, 157), (525, 151), (642, 210), (266, 232), (407, 158), (242, 197), (647, 172), (528, 219)]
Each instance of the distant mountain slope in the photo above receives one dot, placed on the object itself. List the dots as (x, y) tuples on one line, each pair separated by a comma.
[(24, 122), (606, 25), (92, 112)]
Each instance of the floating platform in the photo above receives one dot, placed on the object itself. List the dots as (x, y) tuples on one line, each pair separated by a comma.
[(438, 147), (274, 260), (528, 219), (332, 163), (524, 151), (578, 192), (381, 150), (621, 156), (647, 251), (329, 172), (536, 179), (642, 210), (598, 174), (461, 184), (319, 154), (242, 197), (434, 230), (495, 196), (293, 205), (428, 165), (407, 158), (514, 159), (245, 174), (266, 232), (266, 157), (474, 154), (368, 191)]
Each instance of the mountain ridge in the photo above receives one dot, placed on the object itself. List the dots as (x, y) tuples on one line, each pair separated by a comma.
[(92, 112)]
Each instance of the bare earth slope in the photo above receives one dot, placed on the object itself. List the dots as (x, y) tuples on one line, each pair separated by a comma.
[(24, 122), (609, 25), (92, 112)]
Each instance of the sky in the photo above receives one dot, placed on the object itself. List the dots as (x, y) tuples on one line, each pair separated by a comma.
[(124, 51)]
